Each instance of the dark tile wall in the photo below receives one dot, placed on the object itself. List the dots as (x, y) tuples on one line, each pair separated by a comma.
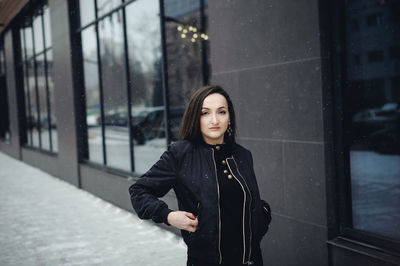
[(267, 55), (64, 92)]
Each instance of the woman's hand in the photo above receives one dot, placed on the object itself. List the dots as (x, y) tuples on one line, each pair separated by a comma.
[(183, 220)]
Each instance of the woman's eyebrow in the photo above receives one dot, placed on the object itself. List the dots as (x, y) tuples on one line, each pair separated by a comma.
[(217, 108)]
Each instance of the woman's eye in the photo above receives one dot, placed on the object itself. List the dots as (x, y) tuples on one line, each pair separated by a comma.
[(204, 113), (223, 112)]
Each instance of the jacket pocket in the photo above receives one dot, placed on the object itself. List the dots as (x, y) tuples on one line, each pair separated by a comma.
[(264, 219), (197, 239)]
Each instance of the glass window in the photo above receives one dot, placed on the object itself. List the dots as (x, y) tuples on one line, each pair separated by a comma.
[(395, 52), (112, 56), (42, 102), (371, 114), (123, 76), (34, 119), (5, 134), (91, 78), (187, 45), (52, 123), (47, 30), (37, 64), (87, 12), (375, 56), (374, 19), (38, 33), (145, 61), (105, 6)]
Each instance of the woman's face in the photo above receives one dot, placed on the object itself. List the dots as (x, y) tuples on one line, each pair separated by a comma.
[(214, 118)]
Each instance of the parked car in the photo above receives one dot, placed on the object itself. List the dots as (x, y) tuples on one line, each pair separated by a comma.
[(368, 121), (114, 118), (379, 128), (91, 120), (45, 122), (386, 140), (152, 125), (31, 122)]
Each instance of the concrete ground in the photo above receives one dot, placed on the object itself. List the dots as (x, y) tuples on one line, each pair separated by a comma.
[(46, 221)]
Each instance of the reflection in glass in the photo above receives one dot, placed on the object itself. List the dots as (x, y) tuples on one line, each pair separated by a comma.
[(187, 53), (28, 42), (104, 6), (50, 84), (92, 91), (373, 118), (26, 88), (33, 120), (4, 111), (38, 33), (114, 91), (43, 122), (37, 64), (144, 49), (47, 29), (87, 11)]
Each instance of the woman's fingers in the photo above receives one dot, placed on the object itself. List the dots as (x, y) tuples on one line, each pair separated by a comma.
[(183, 220), (190, 215), (192, 222)]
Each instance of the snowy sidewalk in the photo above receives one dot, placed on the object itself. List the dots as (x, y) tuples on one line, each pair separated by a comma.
[(46, 221)]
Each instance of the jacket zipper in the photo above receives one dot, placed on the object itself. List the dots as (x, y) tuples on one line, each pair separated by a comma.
[(251, 199), (244, 211), (219, 209)]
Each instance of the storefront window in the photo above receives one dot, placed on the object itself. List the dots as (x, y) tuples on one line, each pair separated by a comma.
[(187, 47), (371, 111), (122, 49), (4, 111), (41, 123)]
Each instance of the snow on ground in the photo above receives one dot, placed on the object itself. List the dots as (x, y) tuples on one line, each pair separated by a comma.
[(46, 221)]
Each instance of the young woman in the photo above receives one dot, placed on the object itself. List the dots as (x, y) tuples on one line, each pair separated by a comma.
[(221, 216)]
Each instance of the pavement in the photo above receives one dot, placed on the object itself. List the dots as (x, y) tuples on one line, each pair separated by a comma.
[(47, 221)]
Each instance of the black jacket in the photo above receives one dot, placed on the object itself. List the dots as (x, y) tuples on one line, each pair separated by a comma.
[(190, 170)]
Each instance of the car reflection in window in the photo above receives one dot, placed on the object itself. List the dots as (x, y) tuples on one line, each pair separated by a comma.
[(379, 128), (150, 124)]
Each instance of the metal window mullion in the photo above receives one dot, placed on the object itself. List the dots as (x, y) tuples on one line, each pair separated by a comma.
[(26, 62), (47, 87), (79, 83), (128, 90), (103, 133), (36, 84), (164, 73), (203, 43)]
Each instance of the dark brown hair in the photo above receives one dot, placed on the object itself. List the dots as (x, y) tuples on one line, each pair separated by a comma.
[(190, 126)]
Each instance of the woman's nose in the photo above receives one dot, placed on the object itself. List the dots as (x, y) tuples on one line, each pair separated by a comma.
[(214, 119)]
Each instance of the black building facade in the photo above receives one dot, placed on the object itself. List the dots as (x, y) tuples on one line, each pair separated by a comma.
[(93, 92)]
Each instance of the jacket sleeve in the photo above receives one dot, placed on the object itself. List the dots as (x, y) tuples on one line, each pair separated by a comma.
[(154, 184)]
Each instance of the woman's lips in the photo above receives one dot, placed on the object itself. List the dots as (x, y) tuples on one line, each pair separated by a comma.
[(214, 128)]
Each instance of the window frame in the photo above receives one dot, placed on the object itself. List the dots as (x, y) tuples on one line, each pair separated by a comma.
[(341, 187), (79, 84), (23, 61), (3, 75)]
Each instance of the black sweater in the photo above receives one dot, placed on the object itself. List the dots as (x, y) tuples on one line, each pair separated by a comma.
[(231, 204)]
